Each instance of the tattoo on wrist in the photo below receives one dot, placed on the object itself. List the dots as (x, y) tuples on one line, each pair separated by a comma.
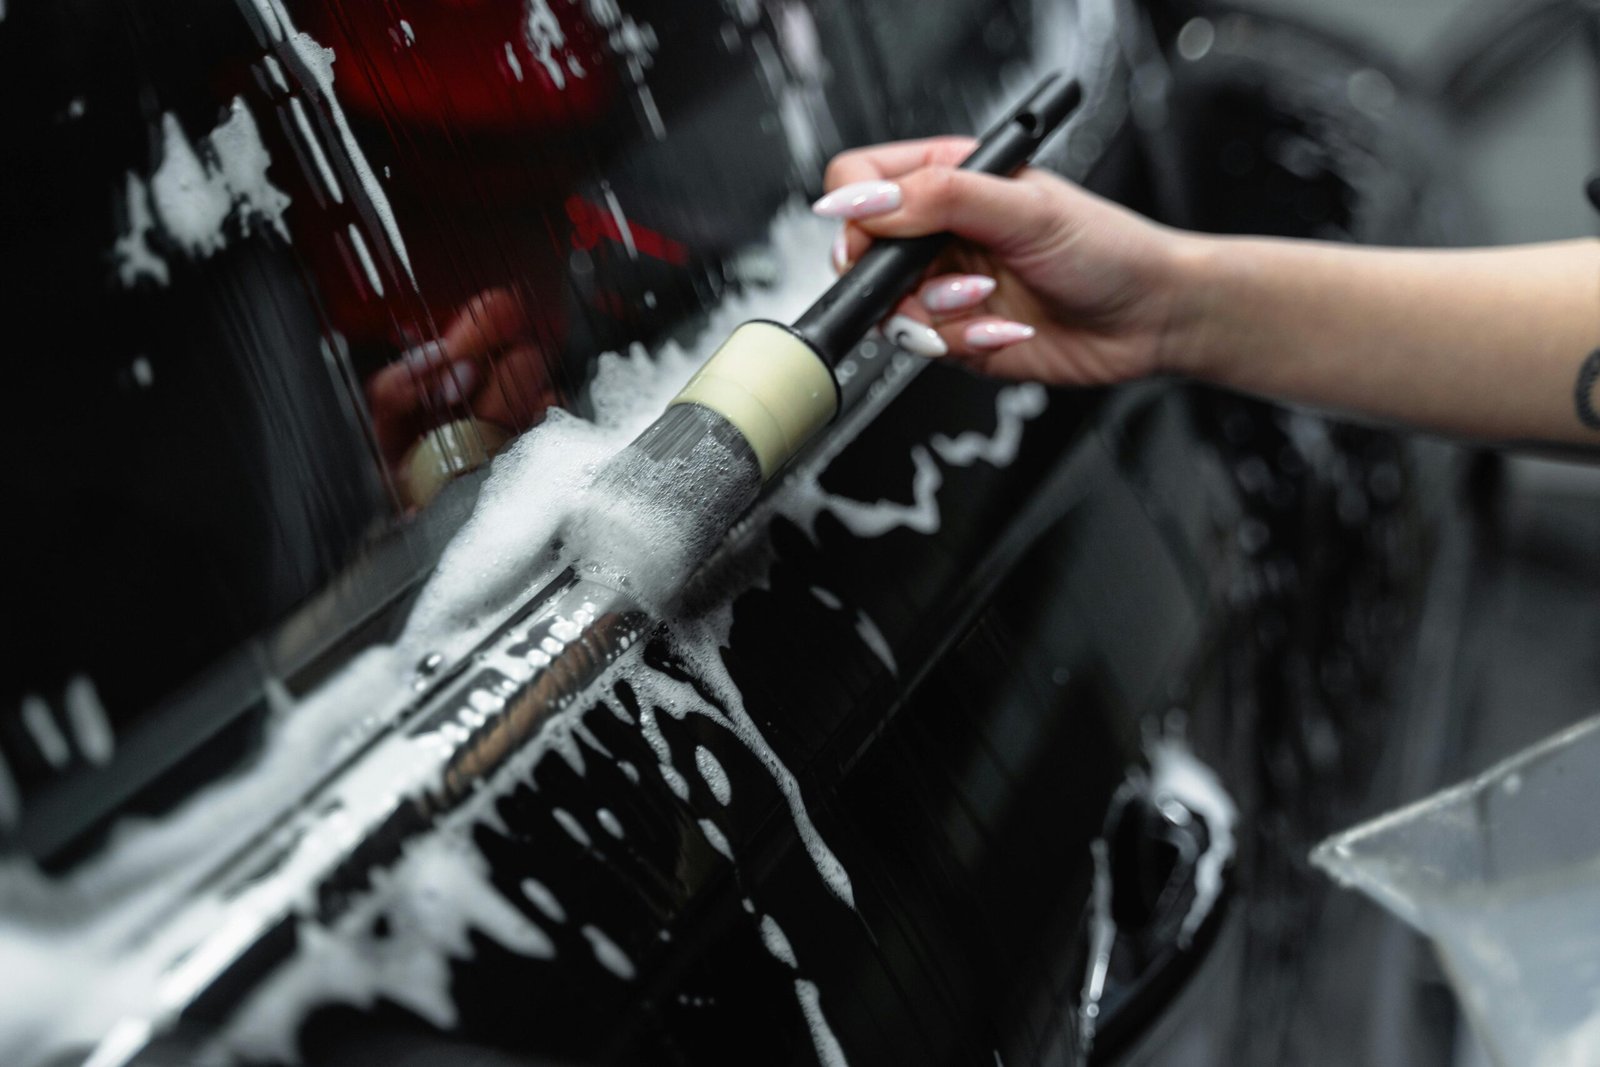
[(1585, 393)]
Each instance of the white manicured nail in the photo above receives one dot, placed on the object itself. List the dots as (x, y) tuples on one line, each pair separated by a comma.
[(956, 292), (858, 200), (430, 354), (460, 381), (997, 333), (914, 337), (841, 252)]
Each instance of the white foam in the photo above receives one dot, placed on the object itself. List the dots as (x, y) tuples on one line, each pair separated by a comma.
[(716, 838), (873, 638), (92, 931), (866, 629), (571, 825), (195, 191), (543, 487), (1102, 941), (87, 717), (135, 259), (777, 942), (1176, 773), (608, 954), (826, 599), (699, 641), (318, 61), (829, 1052), (436, 893), (876, 519), (191, 198), (544, 900), (243, 160), (715, 777), (364, 257), (313, 143), (86, 949), (545, 38), (635, 44), (1013, 407), (47, 736)]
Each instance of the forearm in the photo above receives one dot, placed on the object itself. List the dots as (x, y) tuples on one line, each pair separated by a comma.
[(1487, 344)]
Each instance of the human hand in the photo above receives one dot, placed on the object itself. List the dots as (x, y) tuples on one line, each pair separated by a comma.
[(1048, 281), (485, 365)]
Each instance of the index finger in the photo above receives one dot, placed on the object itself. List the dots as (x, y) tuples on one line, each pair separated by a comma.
[(895, 158)]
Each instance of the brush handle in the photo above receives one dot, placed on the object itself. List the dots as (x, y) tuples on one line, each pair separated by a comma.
[(856, 302)]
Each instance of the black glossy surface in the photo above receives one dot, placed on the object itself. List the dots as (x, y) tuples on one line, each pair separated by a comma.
[(1158, 562)]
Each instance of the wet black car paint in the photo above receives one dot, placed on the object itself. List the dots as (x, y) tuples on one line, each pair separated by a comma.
[(1101, 589)]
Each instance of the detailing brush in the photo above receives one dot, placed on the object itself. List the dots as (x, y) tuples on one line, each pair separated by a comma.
[(770, 387)]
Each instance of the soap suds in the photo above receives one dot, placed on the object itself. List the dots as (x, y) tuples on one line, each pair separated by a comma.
[(829, 1052), (777, 942), (571, 825), (1013, 407), (313, 143), (716, 839), (87, 717), (608, 954), (132, 251), (196, 190), (364, 257), (544, 900), (191, 198), (715, 777), (635, 44), (873, 638), (1175, 773), (429, 901), (318, 62), (243, 160), (826, 599), (876, 519), (545, 38), (47, 736), (494, 563)]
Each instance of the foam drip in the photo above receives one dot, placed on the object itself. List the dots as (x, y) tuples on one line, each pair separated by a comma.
[(715, 777), (699, 641), (608, 954), (94, 945), (829, 1052), (1015, 406), (777, 942), (544, 900), (429, 901), (1176, 773)]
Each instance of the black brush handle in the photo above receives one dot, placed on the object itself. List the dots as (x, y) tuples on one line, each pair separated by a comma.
[(857, 301)]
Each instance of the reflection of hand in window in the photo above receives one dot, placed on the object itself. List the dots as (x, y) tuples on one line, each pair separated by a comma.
[(485, 369)]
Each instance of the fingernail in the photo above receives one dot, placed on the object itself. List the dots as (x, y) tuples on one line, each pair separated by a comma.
[(954, 292), (859, 200), (998, 334), (841, 252), (424, 355), (460, 381), (914, 337)]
